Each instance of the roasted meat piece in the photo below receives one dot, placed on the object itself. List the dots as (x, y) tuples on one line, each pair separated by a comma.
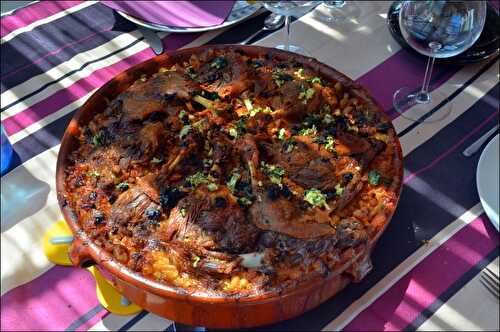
[(213, 221)]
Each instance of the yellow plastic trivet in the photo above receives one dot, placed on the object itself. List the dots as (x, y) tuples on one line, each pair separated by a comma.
[(56, 242), (110, 298)]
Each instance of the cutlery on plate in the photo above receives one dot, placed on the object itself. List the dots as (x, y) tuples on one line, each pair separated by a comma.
[(272, 22), (152, 39), (491, 281), (474, 147)]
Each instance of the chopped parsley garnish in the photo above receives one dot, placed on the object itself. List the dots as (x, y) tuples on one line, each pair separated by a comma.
[(182, 114), (256, 110), (244, 201), (289, 145), (374, 177), (339, 190), (190, 72), (207, 103), (315, 79), (196, 179), (233, 180), (315, 197), (239, 128), (328, 119), (122, 186), (212, 187), (280, 78), (299, 73), (233, 132), (156, 160), (275, 173), (93, 174), (248, 104), (184, 131), (196, 259), (330, 144), (182, 212), (282, 134), (97, 139), (200, 125), (218, 63), (308, 131), (306, 94)]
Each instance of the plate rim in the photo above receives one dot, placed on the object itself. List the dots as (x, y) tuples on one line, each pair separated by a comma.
[(494, 140)]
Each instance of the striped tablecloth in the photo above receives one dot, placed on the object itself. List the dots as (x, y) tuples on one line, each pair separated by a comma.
[(54, 55)]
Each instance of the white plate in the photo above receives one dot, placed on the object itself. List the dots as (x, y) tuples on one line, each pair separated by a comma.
[(488, 179), (241, 11)]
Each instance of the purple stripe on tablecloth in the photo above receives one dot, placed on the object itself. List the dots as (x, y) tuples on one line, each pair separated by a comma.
[(451, 291), (413, 293), (80, 88), (52, 301), (463, 125), (33, 13), (92, 321), (446, 191), (443, 155), (63, 97), (54, 52), (93, 26), (404, 68)]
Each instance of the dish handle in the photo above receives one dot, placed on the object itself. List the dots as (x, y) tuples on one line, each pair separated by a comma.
[(79, 253)]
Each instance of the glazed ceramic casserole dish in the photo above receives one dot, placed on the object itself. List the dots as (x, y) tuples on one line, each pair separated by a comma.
[(330, 112)]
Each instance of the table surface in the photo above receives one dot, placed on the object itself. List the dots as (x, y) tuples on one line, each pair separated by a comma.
[(427, 265)]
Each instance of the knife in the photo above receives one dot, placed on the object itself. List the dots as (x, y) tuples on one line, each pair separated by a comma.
[(152, 39), (477, 144)]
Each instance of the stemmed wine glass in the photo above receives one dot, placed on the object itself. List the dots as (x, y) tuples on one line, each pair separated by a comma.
[(438, 29), (337, 11), (289, 9)]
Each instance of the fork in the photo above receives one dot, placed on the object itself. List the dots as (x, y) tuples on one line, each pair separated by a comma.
[(490, 280)]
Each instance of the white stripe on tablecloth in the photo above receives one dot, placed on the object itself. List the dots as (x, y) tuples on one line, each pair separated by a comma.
[(331, 55), (470, 95), (25, 246), (402, 269), (150, 322), (465, 310), (60, 70), (338, 45), (465, 99), (79, 102), (46, 20), (46, 161), (21, 243), (34, 127)]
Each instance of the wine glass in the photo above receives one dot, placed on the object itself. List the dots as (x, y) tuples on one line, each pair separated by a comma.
[(337, 11), (438, 29), (288, 9)]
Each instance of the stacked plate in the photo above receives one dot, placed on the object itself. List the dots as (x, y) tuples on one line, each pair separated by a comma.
[(170, 16)]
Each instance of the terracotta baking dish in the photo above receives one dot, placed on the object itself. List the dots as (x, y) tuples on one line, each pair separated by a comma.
[(175, 303)]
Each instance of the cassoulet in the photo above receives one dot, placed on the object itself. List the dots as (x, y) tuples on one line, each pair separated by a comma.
[(235, 174)]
